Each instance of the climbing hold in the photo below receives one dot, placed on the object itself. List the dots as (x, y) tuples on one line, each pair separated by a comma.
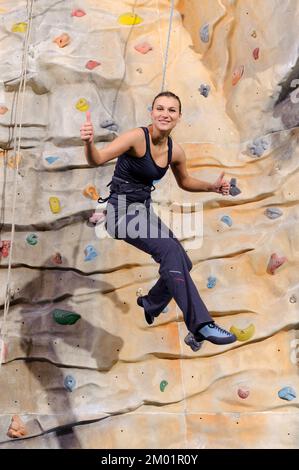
[(287, 393), (14, 161), (275, 262), (139, 70), (65, 317), (51, 160), (92, 64), (237, 74), (62, 40), (243, 393), (129, 19), (226, 219), (143, 47), (69, 383), (82, 105), (234, 190), (110, 124), (204, 33), (293, 299), (253, 34), (139, 292), (3, 109), (90, 253), (78, 13), (163, 385), (4, 248), (258, 147), (32, 239), (98, 217), (165, 310), (3, 351), (57, 258), (211, 282), (256, 53), (54, 204), (19, 28), (273, 212), (204, 90), (243, 334), (16, 428), (192, 343), (91, 192)]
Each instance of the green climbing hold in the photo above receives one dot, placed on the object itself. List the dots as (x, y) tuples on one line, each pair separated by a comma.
[(32, 239), (65, 317), (163, 385)]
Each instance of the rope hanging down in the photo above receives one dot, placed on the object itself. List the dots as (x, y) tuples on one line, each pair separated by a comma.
[(16, 150), (167, 45)]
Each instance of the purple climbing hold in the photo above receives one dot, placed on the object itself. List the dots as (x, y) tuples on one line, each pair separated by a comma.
[(204, 33), (69, 383), (258, 147), (273, 212), (204, 90), (234, 190), (192, 343), (109, 124)]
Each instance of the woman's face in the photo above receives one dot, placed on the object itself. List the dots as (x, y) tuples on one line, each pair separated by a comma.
[(165, 113)]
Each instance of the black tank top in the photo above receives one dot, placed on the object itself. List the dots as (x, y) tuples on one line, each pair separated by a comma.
[(142, 169)]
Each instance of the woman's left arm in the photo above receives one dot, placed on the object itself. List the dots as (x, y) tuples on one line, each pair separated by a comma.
[(188, 183)]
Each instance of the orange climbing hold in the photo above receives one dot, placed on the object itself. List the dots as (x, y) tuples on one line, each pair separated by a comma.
[(275, 262), (78, 13), (3, 109), (17, 428), (91, 192), (92, 64), (256, 53), (62, 40), (143, 47), (14, 162), (238, 74)]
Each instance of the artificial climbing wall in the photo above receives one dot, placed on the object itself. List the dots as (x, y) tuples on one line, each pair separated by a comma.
[(81, 368)]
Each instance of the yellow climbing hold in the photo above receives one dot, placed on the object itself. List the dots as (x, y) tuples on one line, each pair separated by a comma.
[(243, 334), (82, 105), (54, 204), (14, 161), (129, 19), (19, 28)]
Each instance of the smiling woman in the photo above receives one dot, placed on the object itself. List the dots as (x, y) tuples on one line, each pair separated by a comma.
[(144, 154)]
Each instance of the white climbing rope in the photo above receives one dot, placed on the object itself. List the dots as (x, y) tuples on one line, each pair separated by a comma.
[(16, 154), (167, 44)]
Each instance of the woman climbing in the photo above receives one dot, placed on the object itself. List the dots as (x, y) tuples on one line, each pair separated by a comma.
[(144, 155)]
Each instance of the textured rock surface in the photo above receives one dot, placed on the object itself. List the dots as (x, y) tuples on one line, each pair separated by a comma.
[(247, 126)]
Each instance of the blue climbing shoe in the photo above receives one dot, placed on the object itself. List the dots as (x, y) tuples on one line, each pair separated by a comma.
[(192, 343), (148, 317), (215, 334)]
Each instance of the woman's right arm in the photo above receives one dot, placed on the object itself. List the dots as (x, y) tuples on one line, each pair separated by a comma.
[(114, 149)]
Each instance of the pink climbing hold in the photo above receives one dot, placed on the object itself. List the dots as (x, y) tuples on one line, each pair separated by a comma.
[(275, 262), (4, 248), (238, 74), (57, 258), (143, 47), (243, 393), (92, 64), (78, 13), (3, 109), (256, 53), (98, 217)]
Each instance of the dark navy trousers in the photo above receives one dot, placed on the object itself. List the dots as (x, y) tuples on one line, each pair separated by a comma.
[(175, 265)]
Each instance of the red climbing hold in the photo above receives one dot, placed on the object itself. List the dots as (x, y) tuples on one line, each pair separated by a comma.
[(143, 47), (57, 258), (4, 248), (256, 53), (275, 262), (92, 64), (243, 393), (78, 13)]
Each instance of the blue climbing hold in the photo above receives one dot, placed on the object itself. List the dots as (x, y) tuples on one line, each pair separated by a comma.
[(156, 181), (90, 253), (273, 212), (165, 310), (204, 33), (258, 147), (287, 393), (52, 159), (234, 190), (227, 220), (211, 282), (69, 383), (204, 90), (109, 124)]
